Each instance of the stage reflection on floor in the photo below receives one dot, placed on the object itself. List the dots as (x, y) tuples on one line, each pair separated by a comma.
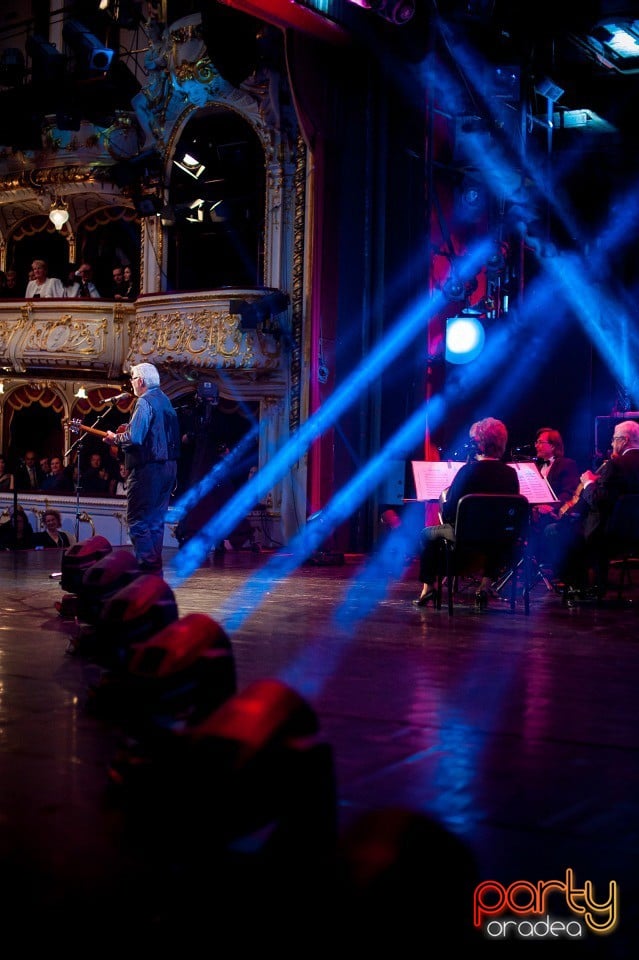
[(369, 763)]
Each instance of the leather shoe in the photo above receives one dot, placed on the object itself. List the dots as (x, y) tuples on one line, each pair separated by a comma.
[(425, 598)]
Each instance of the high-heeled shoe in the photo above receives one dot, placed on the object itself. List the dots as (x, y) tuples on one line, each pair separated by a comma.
[(481, 599), (426, 598)]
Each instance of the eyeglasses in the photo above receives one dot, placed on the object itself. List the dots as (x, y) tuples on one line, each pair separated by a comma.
[(620, 437)]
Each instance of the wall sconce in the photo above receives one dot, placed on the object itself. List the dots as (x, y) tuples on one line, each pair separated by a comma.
[(190, 165), (58, 214), (80, 393), (1, 386)]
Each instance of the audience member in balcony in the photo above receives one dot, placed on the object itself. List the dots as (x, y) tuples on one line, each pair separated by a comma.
[(132, 287), (119, 287), (53, 535), (42, 284), (45, 466), (95, 479), (70, 282), (6, 478), (121, 485), (59, 479), (16, 533), (29, 474), (87, 290), (79, 283), (10, 287)]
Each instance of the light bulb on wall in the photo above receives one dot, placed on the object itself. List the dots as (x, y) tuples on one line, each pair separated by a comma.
[(58, 214), (80, 394)]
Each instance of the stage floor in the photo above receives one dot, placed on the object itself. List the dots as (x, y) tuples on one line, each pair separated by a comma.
[(517, 735)]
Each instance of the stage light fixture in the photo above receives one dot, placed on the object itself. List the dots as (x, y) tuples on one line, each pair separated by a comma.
[(394, 11), (190, 165), (58, 214), (613, 42), (197, 208), (465, 337), (48, 65), (551, 91), (92, 56)]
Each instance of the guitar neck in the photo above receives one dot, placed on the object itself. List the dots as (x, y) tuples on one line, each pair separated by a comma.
[(93, 430)]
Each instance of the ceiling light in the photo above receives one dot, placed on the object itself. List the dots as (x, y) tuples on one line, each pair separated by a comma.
[(58, 214), (80, 394), (190, 165)]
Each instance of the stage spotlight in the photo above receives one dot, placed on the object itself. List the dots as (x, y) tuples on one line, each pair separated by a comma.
[(190, 165), (92, 56), (394, 11), (465, 338)]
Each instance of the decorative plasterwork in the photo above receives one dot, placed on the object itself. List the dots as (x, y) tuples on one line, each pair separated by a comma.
[(107, 338)]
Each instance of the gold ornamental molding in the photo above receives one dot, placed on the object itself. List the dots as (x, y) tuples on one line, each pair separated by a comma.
[(178, 331)]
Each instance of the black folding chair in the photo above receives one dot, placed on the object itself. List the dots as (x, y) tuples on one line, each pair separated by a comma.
[(622, 539), (490, 529)]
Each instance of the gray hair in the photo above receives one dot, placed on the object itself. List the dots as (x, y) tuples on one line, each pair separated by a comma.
[(147, 372), (631, 430)]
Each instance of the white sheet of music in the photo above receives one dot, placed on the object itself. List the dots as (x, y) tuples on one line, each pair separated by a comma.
[(531, 483), (432, 477)]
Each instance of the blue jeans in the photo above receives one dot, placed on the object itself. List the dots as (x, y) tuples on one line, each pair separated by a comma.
[(149, 490)]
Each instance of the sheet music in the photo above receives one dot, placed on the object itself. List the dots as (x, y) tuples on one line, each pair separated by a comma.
[(533, 486), (432, 477)]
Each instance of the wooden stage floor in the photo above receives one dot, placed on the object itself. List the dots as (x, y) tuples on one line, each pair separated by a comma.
[(486, 746)]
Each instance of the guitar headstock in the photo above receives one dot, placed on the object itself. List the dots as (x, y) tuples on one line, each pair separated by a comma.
[(75, 426)]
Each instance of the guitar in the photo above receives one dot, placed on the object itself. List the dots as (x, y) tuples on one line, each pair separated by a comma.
[(77, 427)]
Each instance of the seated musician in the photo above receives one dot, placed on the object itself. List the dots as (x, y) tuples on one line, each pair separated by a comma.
[(578, 540), (562, 474), (486, 473)]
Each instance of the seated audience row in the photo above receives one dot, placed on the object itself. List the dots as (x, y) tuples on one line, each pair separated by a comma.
[(17, 533), (101, 478), (78, 283)]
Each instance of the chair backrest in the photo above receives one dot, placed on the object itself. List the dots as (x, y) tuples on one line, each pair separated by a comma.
[(494, 520), (623, 524)]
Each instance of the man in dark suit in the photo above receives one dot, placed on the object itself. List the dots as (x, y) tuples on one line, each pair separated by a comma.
[(561, 472), (579, 539), (29, 476)]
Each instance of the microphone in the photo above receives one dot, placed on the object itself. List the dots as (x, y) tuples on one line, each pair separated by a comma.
[(118, 396)]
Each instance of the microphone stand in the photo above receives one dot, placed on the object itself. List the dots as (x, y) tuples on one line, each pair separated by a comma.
[(78, 487)]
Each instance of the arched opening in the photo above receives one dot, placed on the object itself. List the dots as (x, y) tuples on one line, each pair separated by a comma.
[(33, 421), (110, 238), (217, 199)]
